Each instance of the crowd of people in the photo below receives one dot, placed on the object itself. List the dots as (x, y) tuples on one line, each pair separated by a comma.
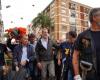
[(76, 58)]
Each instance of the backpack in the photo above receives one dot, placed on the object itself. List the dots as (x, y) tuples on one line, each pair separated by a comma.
[(87, 57)]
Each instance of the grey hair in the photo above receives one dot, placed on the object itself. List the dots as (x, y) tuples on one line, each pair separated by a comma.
[(92, 13)]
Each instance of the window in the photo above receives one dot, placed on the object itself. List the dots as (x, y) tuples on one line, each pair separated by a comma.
[(86, 15), (81, 15), (64, 19), (72, 6), (77, 14), (63, 11), (82, 23), (52, 13), (63, 3), (81, 9), (78, 30), (73, 28), (86, 10), (73, 13), (52, 5), (72, 21), (63, 0), (63, 28), (86, 23)]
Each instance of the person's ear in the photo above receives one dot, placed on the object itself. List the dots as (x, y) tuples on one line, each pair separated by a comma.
[(94, 18)]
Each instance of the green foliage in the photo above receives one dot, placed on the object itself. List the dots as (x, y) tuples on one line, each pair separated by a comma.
[(42, 21)]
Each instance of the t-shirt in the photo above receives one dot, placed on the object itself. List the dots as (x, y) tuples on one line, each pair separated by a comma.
[(96, 39), (66, 50), (83, 45)]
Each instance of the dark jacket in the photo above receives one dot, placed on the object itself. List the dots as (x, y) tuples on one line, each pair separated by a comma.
[(18, 55), (44, 54), (85, 45), (3, 50)]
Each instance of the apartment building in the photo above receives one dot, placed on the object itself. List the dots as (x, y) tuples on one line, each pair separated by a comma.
[(67, 15), (1, 28)]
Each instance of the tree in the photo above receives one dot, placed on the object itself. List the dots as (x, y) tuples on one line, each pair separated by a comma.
[(42, 21)]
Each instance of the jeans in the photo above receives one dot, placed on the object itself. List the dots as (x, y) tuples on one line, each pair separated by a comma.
[(70, 76)]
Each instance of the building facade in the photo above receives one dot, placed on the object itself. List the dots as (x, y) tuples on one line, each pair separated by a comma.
[(67, 15), (1, 22)]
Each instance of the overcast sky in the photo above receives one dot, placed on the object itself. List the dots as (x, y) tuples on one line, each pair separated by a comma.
[(92, 3), (24, 9)]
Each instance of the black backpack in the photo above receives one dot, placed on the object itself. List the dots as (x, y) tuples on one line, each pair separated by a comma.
[(87, 52)]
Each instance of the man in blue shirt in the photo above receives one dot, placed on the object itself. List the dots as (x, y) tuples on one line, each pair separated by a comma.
[(24, 57), (66, 53)]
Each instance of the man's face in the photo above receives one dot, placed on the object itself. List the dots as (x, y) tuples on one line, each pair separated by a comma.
[(71, 39), (32, 39), (45, 33), (97, 18), (24, 40)]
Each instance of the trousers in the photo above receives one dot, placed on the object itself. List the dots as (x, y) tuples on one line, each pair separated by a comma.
[(48, 65)]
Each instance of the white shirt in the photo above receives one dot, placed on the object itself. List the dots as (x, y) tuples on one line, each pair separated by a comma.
[(44, 43), (24, 54)]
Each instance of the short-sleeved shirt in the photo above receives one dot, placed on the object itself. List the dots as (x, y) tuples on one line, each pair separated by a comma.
[(96, 38), (66, 50), (83, 45), (3, 49)]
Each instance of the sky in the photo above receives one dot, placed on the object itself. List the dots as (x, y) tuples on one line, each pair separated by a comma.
[(92, 3), (23, 9)]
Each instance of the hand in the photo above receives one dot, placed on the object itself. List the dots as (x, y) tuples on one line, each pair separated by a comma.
[(39, 65), (59, 62), (13, 41), (4, 67), (23, 63), (17, 68), (77, 77)]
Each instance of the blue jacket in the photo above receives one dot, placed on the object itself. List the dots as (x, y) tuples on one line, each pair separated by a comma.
[(17, 55)]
